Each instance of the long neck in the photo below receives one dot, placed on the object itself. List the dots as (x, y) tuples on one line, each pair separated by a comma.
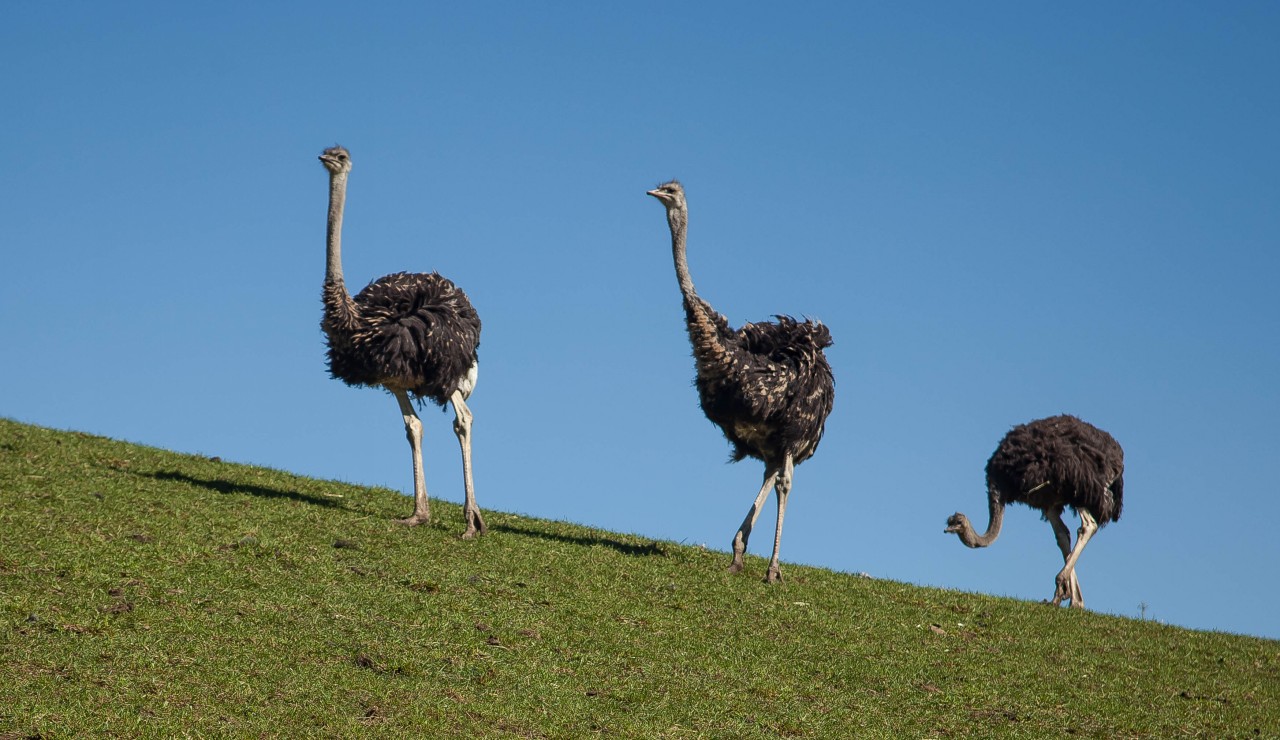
[(996, 517), (700, 318), (678, 220), (340, 311), (337, 202)]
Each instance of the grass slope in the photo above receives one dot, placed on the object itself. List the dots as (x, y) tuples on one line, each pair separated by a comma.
[(144, 592)]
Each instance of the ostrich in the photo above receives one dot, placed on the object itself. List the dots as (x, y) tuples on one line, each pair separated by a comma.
[(767, 386), (414, 334), (1049, 464)]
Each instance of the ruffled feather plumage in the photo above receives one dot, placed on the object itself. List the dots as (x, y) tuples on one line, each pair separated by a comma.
[(775, 393), (411, 331), (1060, 461)]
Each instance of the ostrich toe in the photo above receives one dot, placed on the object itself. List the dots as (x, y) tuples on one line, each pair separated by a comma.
[(1062, 589), (475, 526)]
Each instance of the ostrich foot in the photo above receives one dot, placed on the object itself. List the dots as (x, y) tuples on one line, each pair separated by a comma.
[(415, 520), (475, 526), (774, 575), (1077, 596), (1063, 590), (739, 550)]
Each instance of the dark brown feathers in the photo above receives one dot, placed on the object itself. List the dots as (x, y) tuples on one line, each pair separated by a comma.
[(772, 393), (1060, 461), (412, 331)]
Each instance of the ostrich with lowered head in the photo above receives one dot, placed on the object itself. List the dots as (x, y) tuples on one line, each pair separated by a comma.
[(1049, 464), (767, 386), (414, 334)]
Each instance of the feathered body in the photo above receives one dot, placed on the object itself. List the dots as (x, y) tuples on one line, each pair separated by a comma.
[(414, 334), (771, 389), (407, 331), (1061, 461), (768, 386)]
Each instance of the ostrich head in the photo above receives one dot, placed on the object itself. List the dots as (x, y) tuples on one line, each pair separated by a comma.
[(336, 159), (671, 194), (959, 525)]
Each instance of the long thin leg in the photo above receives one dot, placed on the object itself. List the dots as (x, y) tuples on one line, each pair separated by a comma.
[(413, 430), (783, 488), (462, 427), (1063, 536), (1063, 582), (744, 532)]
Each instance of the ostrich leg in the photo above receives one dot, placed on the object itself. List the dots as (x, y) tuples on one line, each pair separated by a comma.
[(413, 430), (783, 490), (744, 532), (1063, 535), (1088, 525), (462, 427)]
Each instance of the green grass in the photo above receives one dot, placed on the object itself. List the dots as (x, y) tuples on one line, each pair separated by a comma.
[(144, 592)]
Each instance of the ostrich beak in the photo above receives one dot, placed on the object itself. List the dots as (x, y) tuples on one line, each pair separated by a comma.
[(654, 193)]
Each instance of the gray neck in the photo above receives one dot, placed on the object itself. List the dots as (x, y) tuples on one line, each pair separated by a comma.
[(700, 319), (678, 220), (996, 514), (337, 201)]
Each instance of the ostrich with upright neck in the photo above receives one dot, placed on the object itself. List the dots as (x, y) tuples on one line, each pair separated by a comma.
[(767, 386), (414, 334), (1051, 464)]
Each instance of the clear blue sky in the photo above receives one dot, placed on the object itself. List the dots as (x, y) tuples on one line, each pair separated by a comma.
[(1002, 210)]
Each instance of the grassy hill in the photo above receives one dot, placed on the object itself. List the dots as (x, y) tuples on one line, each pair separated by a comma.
[(144, 592)]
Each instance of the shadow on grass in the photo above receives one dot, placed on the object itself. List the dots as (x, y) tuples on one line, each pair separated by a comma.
[(626, 548), (223, 486)]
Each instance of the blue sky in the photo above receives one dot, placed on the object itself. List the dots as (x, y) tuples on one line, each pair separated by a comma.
[(1003, 211)]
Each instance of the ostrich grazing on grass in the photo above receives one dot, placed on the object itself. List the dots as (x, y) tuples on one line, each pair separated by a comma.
[(1049, 464), (767, 386), (414, 334)]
